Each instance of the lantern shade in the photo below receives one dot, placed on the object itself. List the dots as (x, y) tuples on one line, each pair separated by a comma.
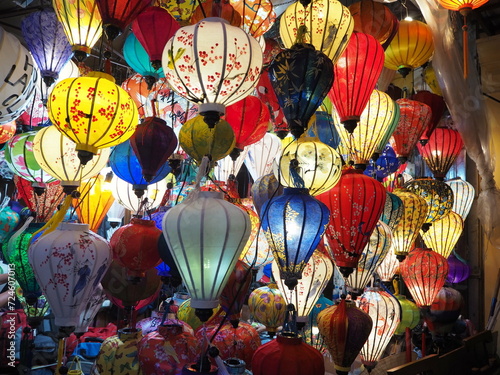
[(8, 222), (322, 127), (424, 272), (261, 155), (257, 15), (444, 233), (116, 14), (211, 8), (227, 168), (461, 4), (393, 210), (268, 307), (326, 24), (138, 59), (463, 196), (7, 131), (224, 230), (444, 311), (234, 293), (259, 252), (438, 106), (410, 315), (68, 284), (118, 353), (459, 270), (387, 269), (125, 195), (386, 164), (265, 188)]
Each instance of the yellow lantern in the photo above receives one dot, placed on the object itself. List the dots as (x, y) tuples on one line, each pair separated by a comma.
[(326, 24), (411, 47), (57, 156), (95, 201), (444, 234), (82, 24), (93, 112), (431, 79)]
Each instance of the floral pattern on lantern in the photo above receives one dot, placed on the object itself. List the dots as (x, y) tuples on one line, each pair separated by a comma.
[(387, 269), (42, 202), (7, 131), (393, 210), (268, 307), (258, 15)]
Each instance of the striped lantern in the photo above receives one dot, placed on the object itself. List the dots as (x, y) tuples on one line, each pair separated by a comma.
[(463, 196), (444, 233), (393, 210)]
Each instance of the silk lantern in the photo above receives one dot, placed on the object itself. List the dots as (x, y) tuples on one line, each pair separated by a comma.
[(7, 131), (411, 47), (101, 114), (438, 106), (259, 253), (424, 272), (459, 270), (82, 24), (315, 277), (125, 195), (393, 210), (355, 204), (152, 323), (265, 188), (463, 196), (444, 233), (268, 307), (43, 202), (224, 230), (116, 14), (45, 37), (261, 155), (257, 16), (356, 72), (388, 267), (209, 71), (385, 139), (385, 164), (345, 329), (138, 59), (235, 291), (118, 354), (301, 78), (410, 315), (8, 220), (322, 127), (70, 262), (444, 311), (326, 24), (293, 223), (227, 168), (91, 309), (311, 333), (212, 8)]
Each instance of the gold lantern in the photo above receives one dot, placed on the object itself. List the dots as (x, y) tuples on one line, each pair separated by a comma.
[(444, 234)]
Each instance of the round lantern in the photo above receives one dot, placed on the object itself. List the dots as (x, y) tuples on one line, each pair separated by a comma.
[(438, 106), (463, 196), (308, 163), (293, 223), (444, 233), (410, 315), (310, 332), (48, 44), (82, 24), (355, 204), (257, 16), (393, 211), (301, 78), (57, 155), (386, 163), (188, 314), (135, 246), (268, 307), (206, 261), (7, 131), (289, 355), (326, 24), (126, 196), (8, 221), (182, 12), (444, 311), (459, 270), (136, 56), (424, 272), (356, 72), (116, 15), (345, 329), (119, 354), (199, 71), (411, 47), (69, 263), (441, 151), (385, 312), (261, 155), (388, 267), (102, 114), (210, 8), (236, 290)]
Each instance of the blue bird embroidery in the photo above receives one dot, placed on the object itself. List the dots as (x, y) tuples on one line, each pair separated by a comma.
[(84, 274)]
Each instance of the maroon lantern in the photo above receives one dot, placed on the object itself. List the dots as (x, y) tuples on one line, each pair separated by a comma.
[(437, 105), (117, 14), (356, 74)]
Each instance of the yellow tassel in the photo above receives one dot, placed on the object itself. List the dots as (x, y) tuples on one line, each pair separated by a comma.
[(466, 49), (55, 220)]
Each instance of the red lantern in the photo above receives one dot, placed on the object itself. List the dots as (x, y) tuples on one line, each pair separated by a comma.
[(234, 293), (117, 14), (356, 74), (444, 311), (424, 272), (153, 28), (437, 105), (414, 119), (441, 151), (7, 131), (222, 9), (249, 119), (287, 355), (355, 204), (135, 246)]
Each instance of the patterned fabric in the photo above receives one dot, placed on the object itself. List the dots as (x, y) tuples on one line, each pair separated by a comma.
[(119, 354)]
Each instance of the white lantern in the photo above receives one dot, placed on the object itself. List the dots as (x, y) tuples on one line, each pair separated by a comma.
[(91, 308), (388, 267), (124, 194), (261, 155), (227, 166), (69, 264), (463, 194)]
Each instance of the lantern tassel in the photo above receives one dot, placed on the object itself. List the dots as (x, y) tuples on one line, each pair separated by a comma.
[(56, 219), (464, 12)]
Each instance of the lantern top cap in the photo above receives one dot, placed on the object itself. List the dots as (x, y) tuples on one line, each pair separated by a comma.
[(215, 19), (73, 226), (211, 194)]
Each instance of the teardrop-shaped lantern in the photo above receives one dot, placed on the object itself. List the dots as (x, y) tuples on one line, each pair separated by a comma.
[(356, 73), (301, 77), (459, 270), (438, 106), (268, 307), (138, 59), (385, 139), (389, 266), (125, 195), (259, 252), (322, 127), (116, 14), (261, 155), (265, 188), (444, 311), (463, 196), (393, 211), (424, 272), (43, 202), (326, 24), (355, 204), (444, 233), (257, 15)]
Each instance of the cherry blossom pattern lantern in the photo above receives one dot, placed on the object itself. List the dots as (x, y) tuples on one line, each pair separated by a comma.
[(410, 315), (441, 150), (261, 155), (411, 47), (356, 73), (223, 9), (438, 106), (268, 307), (301, 78), (414, 119), (345, 329), (101, 114), (257, 16), (459, 270), (424, 272), (116, 14), (202, 66), (463, 196), (385, 311), (205, 262), (326, 24), (393, 210), (355, 204), (308, 163), (82, 24), (444, 233), (69, 263)]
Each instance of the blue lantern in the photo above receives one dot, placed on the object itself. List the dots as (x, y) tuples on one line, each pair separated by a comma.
[(385, 164), (47, 42), (293, 224), (126, 166), (393, 210), (324, 129), (163, 269)]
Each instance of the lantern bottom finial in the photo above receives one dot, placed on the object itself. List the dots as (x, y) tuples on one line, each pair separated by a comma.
[(49, 81), (112, 32), (85, 156), (426, 227), (350, 125), (150, 81), (400, 257), (404, 71), (203, 314), (360, 166), (291, 282), (281, 134), (156, 64), (346, 271)]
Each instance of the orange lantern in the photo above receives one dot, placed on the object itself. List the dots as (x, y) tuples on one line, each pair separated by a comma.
[(222, 9), (258, 15), (7, 131)]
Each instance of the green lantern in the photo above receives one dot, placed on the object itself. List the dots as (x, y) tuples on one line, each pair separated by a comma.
[(410, 315)]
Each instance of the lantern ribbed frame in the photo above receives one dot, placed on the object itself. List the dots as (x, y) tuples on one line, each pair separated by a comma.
[(137, 58), (444, 311), (410, 314), (257, 15), (117, 15), (125, 195), (43, 205), (208, 8), (259, 252), (385, 139), (388, 267), (461, 4), (260, 157), (444, 233), (393, 211), (459, 270), (7, 131), (437, 105), (463, 196)]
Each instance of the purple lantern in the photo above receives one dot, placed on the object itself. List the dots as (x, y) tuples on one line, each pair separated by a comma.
[(459, 270)]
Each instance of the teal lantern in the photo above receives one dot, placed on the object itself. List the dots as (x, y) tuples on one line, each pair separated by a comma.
[(8, 221)]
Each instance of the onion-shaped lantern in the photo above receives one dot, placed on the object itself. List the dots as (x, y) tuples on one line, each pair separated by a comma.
[(356, 73), (444, 311), (223, 9), (389, 266), (265, 188), (45, 37), (463, 196), (459, 270), (261, 155), (441, 151), (316, 275), (385, 312), (116, 14), (257, 15), (438, 106), (393, 210), (294, 224), (101, 114), (308, 163), (138, 59), (444, 233), (42, 202), (345, 329), (411, 47), (410, 314), (209, 70), (82, 24), (236, 290), (268, 307), (355, 204), (125, 195), (119, 354), (301, 78), (326, 24), (424, 272)]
